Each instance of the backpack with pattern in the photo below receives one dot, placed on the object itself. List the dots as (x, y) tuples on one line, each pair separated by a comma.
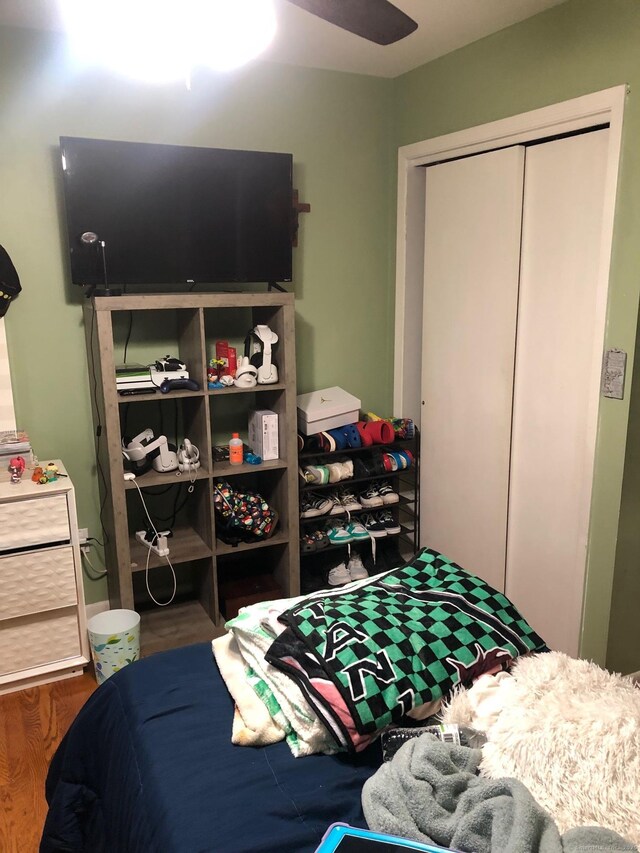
[(242, 516)]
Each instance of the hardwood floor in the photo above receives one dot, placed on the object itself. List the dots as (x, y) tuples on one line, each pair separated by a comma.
[(32, 724)]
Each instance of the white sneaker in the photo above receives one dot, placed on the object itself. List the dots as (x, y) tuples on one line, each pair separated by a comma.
[(357, 531), (356, 568), (349, 501), (339, 575), (339, 535), (337, 508)]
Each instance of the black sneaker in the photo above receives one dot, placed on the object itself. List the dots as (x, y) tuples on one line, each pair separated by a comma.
[(386, 519), (374, 526), (370, 498), (312, 506), (387, 494)]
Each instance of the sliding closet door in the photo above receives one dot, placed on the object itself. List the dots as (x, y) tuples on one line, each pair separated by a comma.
[(472, 249), (556, 394)]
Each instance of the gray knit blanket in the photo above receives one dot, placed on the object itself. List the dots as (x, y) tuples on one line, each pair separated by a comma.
[(430, 792)]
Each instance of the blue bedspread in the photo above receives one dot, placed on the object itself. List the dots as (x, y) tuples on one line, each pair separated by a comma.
[(148, 765)]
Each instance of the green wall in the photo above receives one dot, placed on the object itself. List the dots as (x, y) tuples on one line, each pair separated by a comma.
[(578, 47), (343, 131), (338, 127)]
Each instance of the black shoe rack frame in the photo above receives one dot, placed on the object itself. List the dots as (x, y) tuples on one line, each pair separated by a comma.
[(405, 481)]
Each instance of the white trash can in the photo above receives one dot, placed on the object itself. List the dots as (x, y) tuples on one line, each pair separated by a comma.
[(114, 636)]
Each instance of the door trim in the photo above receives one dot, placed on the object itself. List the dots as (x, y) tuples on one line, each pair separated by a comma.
[(604, 107)]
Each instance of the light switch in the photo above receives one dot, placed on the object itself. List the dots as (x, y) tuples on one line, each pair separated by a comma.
[(613, 372)]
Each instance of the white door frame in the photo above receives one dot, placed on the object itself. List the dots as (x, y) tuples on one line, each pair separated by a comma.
[(604, 107), (599, 108)]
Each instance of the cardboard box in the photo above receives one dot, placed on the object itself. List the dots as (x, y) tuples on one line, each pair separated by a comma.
[(229, 358), (263, 434), (326, 409)]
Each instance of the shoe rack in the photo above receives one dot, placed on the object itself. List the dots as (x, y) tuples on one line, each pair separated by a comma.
[(212, 577), (406, 512)]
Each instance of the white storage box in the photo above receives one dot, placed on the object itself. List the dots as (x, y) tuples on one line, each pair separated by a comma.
[(326, 409), (263, 434)]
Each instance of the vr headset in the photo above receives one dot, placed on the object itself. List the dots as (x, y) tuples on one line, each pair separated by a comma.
[(258, 352), (145, 452)]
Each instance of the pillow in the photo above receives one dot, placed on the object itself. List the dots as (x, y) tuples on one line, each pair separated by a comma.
[(366, 655)]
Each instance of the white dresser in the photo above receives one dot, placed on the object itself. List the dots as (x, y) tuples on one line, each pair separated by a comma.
[(43, 634)]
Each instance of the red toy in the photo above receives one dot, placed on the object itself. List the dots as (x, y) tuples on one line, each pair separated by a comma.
[(16, 468)]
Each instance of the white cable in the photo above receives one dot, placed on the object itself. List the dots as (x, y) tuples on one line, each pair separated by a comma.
[(98, 573), (146, 568)]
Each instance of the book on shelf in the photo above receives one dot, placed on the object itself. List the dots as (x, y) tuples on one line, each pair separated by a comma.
[(13, 441)]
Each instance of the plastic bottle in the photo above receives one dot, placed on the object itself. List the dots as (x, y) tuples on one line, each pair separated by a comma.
[(235, 449)]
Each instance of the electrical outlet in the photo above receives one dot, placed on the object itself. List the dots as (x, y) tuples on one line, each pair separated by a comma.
[(83, 535)]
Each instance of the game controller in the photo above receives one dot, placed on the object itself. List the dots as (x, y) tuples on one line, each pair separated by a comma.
[(178, 385)]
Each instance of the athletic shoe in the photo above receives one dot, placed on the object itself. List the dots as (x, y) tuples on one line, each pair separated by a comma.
[(313, 505), (389, 523), (337, 508), (387, 494), (317, 474), (320, 539), (374, 526), (356, 568), (335, 472), (349, 501), (307, 544), (370, 498), (343, 470), (339, 535), (357, 532), (338, 575)]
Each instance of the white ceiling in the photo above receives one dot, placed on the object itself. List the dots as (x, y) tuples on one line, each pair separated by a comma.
[(303, 39)]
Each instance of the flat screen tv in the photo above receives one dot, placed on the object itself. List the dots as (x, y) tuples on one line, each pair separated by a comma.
[(143, 214)]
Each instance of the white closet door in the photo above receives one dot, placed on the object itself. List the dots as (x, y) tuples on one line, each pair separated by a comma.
[(472, 250), (559, 350)]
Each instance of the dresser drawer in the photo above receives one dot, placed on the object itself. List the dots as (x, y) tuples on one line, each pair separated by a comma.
[(33, 581), (35, 521), (38, 640)]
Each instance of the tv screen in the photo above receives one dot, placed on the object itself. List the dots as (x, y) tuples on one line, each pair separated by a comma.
[(171, 214)]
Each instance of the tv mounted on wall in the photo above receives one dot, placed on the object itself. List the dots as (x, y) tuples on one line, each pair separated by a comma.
[(148, 214)]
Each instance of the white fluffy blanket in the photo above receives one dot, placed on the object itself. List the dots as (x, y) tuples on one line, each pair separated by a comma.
[(567, 729)]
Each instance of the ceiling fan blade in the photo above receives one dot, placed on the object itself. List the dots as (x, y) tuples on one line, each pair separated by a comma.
[(376, 20)]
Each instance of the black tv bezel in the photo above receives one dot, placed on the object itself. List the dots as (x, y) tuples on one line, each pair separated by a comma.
[(102, 277)]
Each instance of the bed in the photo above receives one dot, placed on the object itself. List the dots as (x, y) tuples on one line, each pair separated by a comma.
[(149, 764)]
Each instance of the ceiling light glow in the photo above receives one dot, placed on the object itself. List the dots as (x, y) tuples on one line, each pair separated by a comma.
[(163, 40)]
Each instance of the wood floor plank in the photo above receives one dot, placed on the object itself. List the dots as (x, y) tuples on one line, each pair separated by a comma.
[(32, 724)]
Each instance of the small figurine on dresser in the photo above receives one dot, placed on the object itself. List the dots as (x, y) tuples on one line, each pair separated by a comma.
[(16, 468)]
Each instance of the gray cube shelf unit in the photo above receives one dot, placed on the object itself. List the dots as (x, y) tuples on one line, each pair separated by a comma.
[(186, 326)]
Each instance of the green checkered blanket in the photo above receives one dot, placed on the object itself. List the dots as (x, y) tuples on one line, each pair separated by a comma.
[(365, 656)]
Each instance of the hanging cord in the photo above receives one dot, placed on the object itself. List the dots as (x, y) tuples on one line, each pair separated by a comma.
[(97, 574), (166, 556)]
